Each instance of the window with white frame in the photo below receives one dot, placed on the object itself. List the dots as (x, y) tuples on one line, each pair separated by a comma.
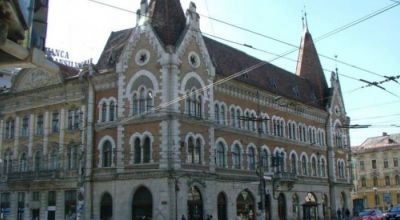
[(216, 113), (220, 155), (10, 129), (142, 147), (55, 122), (194, 150), (25, 126), (194, 103), (252, 158), (73, 119), (23, 163), (304, 165), (39, 125), (7, 162), (222, 115), (314, 166), (264, 124), (72, 157), (233, 117), (265, 160), (106, 154), (253, 119), (236, 157), (237, 118), (53, 160), (293, 161), (323, 168), (108, 110)]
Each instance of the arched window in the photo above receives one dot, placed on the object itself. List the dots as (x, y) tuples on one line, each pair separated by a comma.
[(237, 117), (142, 101), (323, 168), (252, 159), (246, 121), (190, 150), (265, 161), (147, 150), (304, 165), (53, 160), (107, 154), (23, 165), (233, 118), (236, 157), (138, 151), (135, 107), (106, 207), (222, 116), (149, 101), (112, 111), (220, 155), (314, 166), (142, 204), (199, 108), (253, 122), (216, 114), (293, 161), (193, 103), (197, 152), (38, 161), (103, 112)]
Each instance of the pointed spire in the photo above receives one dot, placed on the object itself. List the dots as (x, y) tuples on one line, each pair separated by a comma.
[(309, 65), (168, 20)]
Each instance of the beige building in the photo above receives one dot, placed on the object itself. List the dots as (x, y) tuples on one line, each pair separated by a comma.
[(377, 172), (163, 133)]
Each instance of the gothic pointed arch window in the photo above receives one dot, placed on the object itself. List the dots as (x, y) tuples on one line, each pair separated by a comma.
[(220, 155), (265, 160), (112, 111), (237, 118), (293, 161), (137, 151), (233, 118), (222, 116), (314, 166), (252, 159), (135, 107), (190, 150), (236, 157), (216, 113), (146, 150), (142, 101), (304, 165), (104, 112), (197, 151), (107, 154), (323, 168)]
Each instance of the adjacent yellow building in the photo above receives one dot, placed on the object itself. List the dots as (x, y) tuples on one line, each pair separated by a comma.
[(376, 172)]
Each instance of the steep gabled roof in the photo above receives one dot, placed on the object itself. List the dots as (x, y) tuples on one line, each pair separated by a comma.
[(309, 66), (168, 20), (227, 61)]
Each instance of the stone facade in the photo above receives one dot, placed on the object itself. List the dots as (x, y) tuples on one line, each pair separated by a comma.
[(377, 172), (164, 133)]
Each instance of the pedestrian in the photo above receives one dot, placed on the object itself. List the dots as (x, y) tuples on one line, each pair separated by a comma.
[(183, 217), (339, 214), (347, 213)]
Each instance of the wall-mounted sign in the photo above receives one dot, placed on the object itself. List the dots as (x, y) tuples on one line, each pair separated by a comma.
[(62, 56)]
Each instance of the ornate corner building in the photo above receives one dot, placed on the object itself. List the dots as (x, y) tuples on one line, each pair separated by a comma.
[(377, 172), (171, 123)]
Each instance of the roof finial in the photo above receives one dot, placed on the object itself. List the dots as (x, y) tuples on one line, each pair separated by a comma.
[(304, 19)]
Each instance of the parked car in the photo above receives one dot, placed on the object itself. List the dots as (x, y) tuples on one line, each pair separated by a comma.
[(393, 213), (370, 214)]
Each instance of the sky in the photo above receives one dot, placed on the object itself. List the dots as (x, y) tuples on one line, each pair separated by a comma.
[(82, 28)]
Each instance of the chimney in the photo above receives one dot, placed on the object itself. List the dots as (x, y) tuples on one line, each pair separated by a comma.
[(384, 134)]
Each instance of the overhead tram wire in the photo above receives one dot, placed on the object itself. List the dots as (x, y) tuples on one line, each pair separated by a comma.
[(335, 31)]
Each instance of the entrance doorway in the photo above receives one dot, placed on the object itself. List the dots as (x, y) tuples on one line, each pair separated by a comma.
[(106, 209), (222, 203), (310, 207), (282, 207), (35, 214), (195, 204), (245, 206), (142, 205)]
